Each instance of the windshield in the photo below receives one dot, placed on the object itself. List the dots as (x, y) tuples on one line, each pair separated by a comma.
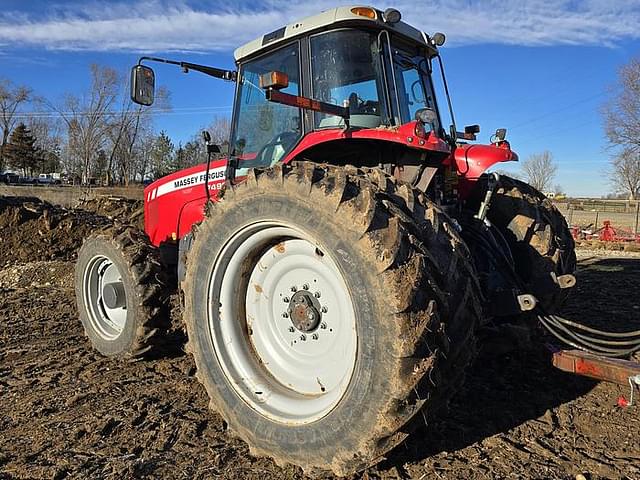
[(264, 132), (412, 79), (346, 71)]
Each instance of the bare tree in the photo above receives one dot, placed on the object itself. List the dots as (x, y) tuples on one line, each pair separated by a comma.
[(88, 118), (622, 111), (127, 125), (625, 173), (219, 130), (144, 151), (622, 126), (194, 150), (539, 170), (48, 133), (10, 99)]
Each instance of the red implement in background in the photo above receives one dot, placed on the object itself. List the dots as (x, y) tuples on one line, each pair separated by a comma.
[(608, 233), (601, 368)]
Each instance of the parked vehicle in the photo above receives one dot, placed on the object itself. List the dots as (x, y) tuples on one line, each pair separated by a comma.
[(48, 179), (9, 178)]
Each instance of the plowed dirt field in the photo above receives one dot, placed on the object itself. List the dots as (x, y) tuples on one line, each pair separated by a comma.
[(67, 412)]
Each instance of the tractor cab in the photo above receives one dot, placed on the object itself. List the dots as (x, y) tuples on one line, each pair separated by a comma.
[(355, 74), (350, 69)]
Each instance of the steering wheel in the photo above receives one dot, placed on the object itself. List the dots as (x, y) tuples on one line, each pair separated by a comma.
[(284, 139), (364, 107)]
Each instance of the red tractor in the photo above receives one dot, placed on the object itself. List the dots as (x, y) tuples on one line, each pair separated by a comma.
[(335, 267)]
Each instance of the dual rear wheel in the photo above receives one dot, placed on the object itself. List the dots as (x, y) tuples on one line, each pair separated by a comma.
[(327, 310)]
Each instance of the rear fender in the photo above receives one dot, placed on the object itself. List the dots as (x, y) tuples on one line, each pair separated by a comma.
[(472, 160)]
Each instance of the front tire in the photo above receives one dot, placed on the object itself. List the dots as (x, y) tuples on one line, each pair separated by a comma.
[(118, 292), (383, 270)]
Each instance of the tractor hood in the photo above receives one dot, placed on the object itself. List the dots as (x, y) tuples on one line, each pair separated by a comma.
[(173, 203)]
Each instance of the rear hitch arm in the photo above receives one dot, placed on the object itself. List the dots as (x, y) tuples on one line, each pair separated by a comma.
[(613, 370)]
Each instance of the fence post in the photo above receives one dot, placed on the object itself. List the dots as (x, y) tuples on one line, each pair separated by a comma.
[(596, 225), (635, 229), (570, 217)]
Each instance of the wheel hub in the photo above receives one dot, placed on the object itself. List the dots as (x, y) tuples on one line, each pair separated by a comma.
[(113, 295), (304, 314)]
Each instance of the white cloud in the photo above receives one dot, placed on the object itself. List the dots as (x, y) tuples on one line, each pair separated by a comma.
[(148, 26)]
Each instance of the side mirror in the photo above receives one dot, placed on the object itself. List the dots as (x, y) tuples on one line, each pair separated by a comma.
[(472, 129), (143, 82)]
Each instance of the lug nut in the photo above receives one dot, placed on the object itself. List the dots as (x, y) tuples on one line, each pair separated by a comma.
[(323, 326), (325, 309), (305, 286), (303, 337), (285, 299), (314, 336), (285, 315), (294, 289), (317, 294), (291, 329)]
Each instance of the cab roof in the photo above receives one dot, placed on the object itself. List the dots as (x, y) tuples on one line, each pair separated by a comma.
[(336, 17)]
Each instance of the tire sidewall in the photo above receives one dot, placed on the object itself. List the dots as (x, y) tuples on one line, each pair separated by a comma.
[(358, 409), (123, 343)]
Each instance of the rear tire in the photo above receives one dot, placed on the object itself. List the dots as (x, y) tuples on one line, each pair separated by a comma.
[(119, 268), (413, 304), (540, 240)]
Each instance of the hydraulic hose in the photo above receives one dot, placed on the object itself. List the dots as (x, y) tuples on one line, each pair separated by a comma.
[(586, 343)]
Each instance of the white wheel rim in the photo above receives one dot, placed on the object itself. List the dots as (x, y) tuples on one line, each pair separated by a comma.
[(294, 373), (106, 322)]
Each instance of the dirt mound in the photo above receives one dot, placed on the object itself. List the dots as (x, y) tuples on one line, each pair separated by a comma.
[(32, 230), (37, 275), (126, 209)]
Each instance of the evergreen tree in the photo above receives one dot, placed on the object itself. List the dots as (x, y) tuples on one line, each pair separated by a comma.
[(179, 159), (21, 152), (161, 155), (100, 168)]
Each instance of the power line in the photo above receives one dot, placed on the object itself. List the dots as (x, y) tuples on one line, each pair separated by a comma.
[(558, 110), (112, 113)]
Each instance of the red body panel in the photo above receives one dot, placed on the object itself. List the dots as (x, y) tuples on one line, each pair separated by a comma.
[(472, 160), (175, 202), (404, 134)]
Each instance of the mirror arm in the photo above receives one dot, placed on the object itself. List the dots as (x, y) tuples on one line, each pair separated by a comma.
[(229, 75)]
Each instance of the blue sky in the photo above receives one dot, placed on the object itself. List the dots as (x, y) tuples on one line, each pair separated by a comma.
[(541, 68)]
